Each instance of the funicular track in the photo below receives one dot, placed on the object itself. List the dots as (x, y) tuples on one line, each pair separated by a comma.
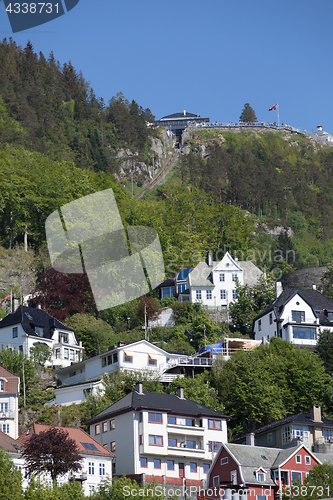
[(161, 174)]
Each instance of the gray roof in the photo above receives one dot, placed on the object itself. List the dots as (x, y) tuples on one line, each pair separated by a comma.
[(315, 299), (201, 276), (252, 458), (30, 317), (156, 401)]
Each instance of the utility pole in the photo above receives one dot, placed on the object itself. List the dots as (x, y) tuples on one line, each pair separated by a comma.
[(132, 179), (23, 376), (145, 310), (205, 337)]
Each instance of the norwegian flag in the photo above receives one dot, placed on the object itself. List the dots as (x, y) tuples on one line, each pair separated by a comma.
[(272, 108), (6, 298)]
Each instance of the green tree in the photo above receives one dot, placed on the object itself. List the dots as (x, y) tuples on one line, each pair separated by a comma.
[(10, 478), (248, 114), (317, 484), (251, 301), (124, 487), (96, 335), (327, 281), (41, 353), (14, 361), (324, 349)]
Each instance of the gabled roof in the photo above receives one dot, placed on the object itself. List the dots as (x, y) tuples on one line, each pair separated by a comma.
[(156, 401), (80, 437), (13, 381), (9, 444), (30, 317), (318, 302), (185, 114)]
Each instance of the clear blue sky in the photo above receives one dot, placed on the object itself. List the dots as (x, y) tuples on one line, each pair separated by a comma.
[(206, 57)]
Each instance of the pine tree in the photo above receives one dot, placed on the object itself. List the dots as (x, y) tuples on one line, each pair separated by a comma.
[(248, 114)]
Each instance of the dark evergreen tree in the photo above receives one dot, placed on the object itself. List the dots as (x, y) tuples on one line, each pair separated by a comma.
[(248, 114)]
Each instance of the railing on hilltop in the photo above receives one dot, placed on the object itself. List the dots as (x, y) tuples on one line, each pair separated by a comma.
[(249, 125)]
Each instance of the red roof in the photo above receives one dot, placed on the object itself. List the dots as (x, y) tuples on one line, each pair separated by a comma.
[(9, 444), (86, 444)]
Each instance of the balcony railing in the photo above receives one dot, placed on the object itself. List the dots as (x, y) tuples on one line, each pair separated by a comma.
[(5, 415)]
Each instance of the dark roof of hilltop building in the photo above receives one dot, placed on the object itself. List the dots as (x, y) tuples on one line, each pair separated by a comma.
[(168, 403), (185, 114), (317, 301), (30, 317)]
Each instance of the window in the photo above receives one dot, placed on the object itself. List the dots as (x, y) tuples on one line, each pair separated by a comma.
[(2, 385), (143, 462), (57, 353), (112, 425), (234, 277), (155, 417), (170, 465), (216, 481), (224, 460), (113, 468), (152, 361), (171, 420), (222, 277), (261, 497), (91, 468), (259, 325), (172, 442), (190, 444), (298, 459), (214, 445), (234, 294), (269, 438), (296, 476), (63, 338), (260, 477), (113, 446), (72, 374), (205, 468), (214, 424), (97, 429), (298, 316), (198, 294), (155, 440), (271, 319), (328, 435), (91, 489), (140, 417), (128, 358), (304, 333), (103, 362), (15, 332), (39, 331), (223, 294), (233, 477), (104, 427), (189, 422), (307, 460), (102, 469), (5, 428), (193, 467), (208, 294), (157, 463), (291, 432), (66, 353), (115, 357), (141, 439), (4, 407)]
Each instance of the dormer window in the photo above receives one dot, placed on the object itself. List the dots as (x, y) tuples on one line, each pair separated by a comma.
[(2, 385), (63, 338), (39, 331), (298, 316), (330, 316), (261, 476)]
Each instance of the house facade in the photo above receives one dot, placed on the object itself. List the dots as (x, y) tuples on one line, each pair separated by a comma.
[(96, 464), (138, 356), (161, 437), (29, 326), (311, 429), (258, 473), (214, 283), (297, 316), (9, 402)]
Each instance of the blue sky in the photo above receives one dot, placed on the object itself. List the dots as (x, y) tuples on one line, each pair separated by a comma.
[(206, 57)]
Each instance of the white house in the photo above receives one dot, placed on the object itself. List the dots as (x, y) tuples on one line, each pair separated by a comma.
[(9, 402), (297, 316), (29, 326), (84, 377), (214, 283), (161, 437), (96, 464)]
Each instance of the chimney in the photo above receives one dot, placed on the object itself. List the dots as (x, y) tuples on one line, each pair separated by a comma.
[(39, 306), (316, 413), (138, 387), (250, 439), (184, 112), (278, 289), (210, 258), (314, 287), (180, 392)]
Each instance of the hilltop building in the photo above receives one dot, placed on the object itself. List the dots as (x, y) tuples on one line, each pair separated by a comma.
[(178, 122)]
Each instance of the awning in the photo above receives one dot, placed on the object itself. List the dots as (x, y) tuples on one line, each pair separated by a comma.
[(153, 356)]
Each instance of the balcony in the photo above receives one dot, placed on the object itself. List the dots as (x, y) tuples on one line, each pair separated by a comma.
[(7, 415)]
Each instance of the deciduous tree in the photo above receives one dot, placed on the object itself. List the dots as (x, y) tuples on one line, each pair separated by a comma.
[(52, 452)]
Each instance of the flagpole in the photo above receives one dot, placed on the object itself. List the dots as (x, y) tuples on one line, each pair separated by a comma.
[(278, 115)]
